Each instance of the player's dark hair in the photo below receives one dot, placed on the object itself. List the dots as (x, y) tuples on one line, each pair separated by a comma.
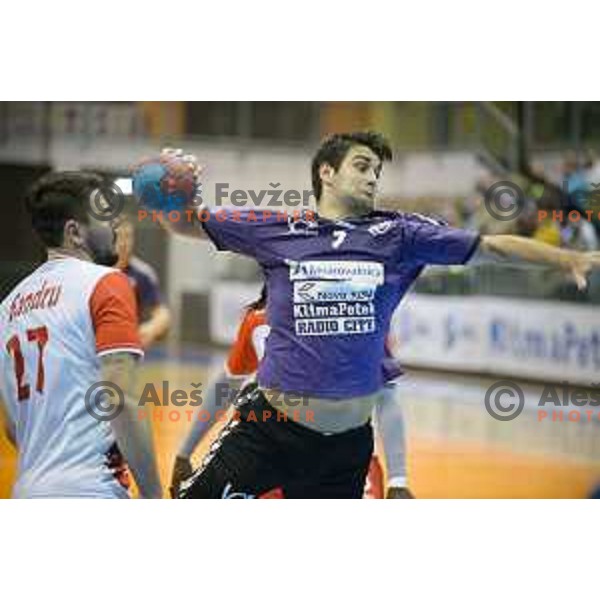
[(260, 302), (58, 197), (334, 148)]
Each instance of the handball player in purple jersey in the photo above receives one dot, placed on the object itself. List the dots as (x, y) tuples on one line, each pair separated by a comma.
[(334, 279)]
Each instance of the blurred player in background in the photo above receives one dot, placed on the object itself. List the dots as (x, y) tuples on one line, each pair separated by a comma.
[(242, 363), (153, 315), (68, 326), (326, 352)]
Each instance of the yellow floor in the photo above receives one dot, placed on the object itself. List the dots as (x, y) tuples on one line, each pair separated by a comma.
[(461, 470), (438, 468)]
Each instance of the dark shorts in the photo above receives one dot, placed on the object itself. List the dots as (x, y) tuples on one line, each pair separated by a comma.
[(259, 454)]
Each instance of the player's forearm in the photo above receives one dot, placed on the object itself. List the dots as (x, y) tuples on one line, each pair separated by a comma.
[(529, 250), (156, 326), (187, 225), (133, 436), (216, 399)]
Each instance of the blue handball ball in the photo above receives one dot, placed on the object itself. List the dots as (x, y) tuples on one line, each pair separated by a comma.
[(165, 184)]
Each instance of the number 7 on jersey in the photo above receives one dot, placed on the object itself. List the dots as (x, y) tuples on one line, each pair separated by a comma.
[(338, 238)]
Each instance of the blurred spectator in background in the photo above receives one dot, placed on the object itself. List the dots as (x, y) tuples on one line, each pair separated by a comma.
[(483, 220), (592, 177), (541, 194), (591, 167), (541, 188), (527, 223), (574, 181), (154, 317), (468, 210), (548, 230), (537, 182), (579, 235)]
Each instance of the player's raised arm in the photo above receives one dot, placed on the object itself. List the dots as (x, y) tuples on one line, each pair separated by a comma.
[(576, 264), (250, 232), (133, 436)]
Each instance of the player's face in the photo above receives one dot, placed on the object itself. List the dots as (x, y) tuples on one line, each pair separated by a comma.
[(99, 240), (355, 182)]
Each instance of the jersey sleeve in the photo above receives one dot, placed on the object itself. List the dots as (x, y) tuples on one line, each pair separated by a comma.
[(251, 232), (427, 241), (114, 318), (243, 358)]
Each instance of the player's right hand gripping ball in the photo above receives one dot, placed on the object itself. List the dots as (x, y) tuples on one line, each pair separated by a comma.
[(169, 182)]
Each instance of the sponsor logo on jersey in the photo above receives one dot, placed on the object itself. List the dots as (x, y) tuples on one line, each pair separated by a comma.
[(381, 228), (341, 270), (303, 224), (335, 297), (331, 291)]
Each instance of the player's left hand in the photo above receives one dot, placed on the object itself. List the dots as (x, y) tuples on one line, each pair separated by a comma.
[(397, 493)]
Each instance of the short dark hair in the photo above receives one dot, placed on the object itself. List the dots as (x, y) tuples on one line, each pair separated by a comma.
[(334, 148), (58, 197)]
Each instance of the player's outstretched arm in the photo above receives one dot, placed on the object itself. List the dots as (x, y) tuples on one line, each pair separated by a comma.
[(133, 436), (576, 264), (216, 399), (9, 426)]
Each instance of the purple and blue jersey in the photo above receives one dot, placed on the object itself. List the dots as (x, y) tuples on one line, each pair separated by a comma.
[(332, 289), (144, 281)]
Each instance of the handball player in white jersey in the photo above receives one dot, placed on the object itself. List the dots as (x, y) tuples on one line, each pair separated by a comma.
[(67, 327)]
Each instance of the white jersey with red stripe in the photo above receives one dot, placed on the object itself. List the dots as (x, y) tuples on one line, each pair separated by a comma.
[(53, 327)]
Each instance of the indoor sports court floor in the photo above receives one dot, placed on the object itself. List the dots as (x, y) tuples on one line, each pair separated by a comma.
[(455, 450)]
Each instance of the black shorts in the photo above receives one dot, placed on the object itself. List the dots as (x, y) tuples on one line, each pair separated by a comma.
[(259, 454)]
